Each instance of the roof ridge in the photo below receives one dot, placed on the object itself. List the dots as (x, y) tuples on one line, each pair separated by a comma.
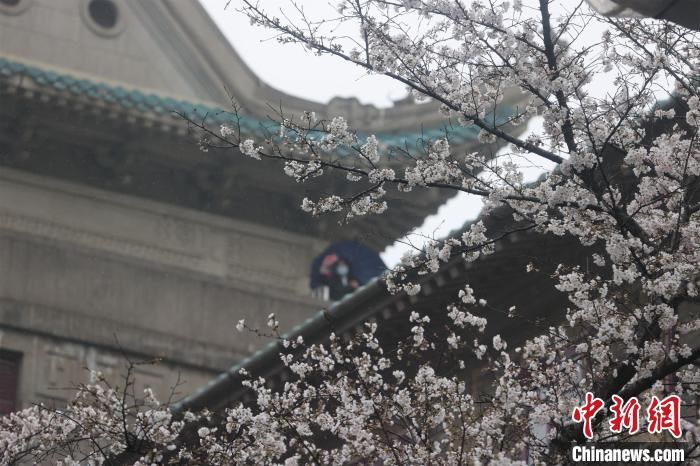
[(149, 100)]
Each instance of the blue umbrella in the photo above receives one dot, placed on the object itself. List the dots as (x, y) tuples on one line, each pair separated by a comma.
[(365, 264)]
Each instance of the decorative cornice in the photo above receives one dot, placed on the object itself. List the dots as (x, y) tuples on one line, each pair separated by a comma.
[(165, 110), (156, 235), (60, 324)]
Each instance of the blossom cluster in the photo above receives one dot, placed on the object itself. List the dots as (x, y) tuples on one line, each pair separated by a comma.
[(625, 188)]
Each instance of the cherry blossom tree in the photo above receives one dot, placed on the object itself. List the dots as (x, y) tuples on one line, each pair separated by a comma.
[(625, 186)]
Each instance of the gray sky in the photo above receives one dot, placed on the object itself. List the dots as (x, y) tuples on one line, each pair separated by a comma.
[(291, 69)]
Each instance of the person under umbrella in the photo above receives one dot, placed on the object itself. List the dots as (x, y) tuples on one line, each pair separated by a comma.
[(337, 276)]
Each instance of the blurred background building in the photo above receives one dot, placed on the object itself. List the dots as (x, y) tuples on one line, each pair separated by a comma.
[(119, 238), (683, 12)]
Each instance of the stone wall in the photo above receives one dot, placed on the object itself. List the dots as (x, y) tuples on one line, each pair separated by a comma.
[(51, 366), (88, 275)]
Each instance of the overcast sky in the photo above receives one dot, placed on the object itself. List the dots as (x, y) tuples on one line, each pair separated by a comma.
[(291, 69)]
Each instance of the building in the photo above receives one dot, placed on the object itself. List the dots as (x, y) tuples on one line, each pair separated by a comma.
[(498, 277), (683, 12), (119, 238)]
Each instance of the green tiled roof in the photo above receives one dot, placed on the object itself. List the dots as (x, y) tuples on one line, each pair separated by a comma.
[(148, 102)]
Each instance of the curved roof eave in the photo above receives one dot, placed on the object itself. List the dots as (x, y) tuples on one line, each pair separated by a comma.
[(166, 109), (221, 60)]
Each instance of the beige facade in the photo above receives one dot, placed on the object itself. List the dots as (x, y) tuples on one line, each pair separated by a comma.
[(119, 238), (87, 276)]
